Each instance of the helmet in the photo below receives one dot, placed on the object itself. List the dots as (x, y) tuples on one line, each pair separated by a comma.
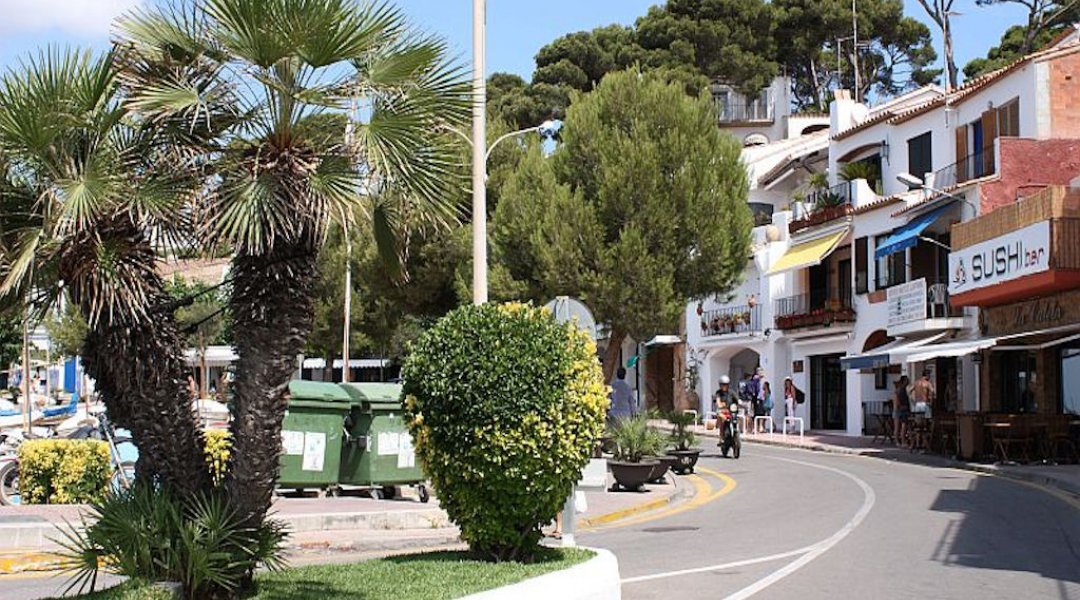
[(724, 379)]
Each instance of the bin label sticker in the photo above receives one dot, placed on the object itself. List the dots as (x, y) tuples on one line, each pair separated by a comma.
[(293, 442), (388, 443), (407, 457), (314, 451)]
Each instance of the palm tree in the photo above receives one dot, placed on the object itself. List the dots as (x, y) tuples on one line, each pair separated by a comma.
[(86, 190), (338, 102)]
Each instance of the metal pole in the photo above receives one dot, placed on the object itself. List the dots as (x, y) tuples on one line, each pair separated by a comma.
[(855, 50), (348, 307), (479, 167), (26, 371)]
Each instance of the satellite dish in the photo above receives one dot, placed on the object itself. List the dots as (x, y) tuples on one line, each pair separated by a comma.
[(571, 310)]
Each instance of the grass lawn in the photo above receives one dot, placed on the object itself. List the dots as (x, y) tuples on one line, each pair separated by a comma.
[(437, 575)]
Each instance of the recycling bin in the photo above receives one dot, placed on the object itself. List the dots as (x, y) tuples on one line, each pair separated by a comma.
[(312, 435), (378, 451)]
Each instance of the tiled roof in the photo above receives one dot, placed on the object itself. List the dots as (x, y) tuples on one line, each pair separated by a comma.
[(968, 89)]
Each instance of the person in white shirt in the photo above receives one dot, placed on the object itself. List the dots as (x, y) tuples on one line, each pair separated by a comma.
[(622, 398)]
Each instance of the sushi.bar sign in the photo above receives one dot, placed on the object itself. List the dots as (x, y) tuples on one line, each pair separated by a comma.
[(1005, 258)]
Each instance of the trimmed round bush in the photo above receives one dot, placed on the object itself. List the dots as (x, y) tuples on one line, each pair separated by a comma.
[(505, 406)]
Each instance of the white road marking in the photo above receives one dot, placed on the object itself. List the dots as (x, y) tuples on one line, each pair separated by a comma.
[(805, 554)]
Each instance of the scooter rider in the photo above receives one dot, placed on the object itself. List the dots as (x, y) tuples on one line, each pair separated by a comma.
[(723, 398)]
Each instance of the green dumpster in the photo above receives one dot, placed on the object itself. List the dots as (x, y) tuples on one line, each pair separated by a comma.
[(378, 452), (312, 434)]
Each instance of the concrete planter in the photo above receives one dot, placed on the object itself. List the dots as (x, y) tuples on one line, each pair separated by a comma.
[(595, 579), (631, 476)]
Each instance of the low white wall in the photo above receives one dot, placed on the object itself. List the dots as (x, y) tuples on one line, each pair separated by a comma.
[(594, 579)]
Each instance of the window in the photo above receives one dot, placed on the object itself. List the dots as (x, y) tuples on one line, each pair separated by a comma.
[(920, 159), (891, 269), (1070, 380), (1008, 117), (862, 265), (1019, 381)]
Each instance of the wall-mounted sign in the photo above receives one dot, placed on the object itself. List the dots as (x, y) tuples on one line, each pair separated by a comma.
[(797, 366), (1011, 256), (906, 302), (1032, 315)]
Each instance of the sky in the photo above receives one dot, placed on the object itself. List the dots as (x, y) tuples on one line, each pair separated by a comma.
[(517, 29)]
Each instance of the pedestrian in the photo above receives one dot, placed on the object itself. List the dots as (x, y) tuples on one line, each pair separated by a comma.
[(924, 393), (747, 396), (901, 410), (792, 397), (758, 389), (767, 401), (622, 398)]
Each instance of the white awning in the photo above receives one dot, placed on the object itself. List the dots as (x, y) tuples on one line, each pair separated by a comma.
[(888, 354), (664, 340), (948, 349), (355, 363), (216, 356)]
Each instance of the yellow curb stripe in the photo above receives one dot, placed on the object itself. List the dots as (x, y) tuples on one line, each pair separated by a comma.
[(30, 561), (703, 494), (626, 512)]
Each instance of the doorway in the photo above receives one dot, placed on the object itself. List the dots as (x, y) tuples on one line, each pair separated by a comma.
[(659, 380), (828, 392)]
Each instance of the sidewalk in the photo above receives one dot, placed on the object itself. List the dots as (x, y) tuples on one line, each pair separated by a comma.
[(323, 525), (1063, 478)]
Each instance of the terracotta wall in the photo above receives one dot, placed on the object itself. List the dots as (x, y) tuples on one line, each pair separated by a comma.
[(1065, 96), (1027, 165)]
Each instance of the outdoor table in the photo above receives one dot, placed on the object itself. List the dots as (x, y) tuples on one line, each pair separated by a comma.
[(885, 428)]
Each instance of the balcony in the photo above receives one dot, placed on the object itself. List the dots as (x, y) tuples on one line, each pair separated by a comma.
[(972, 166), (735, 319), (745, 112), (813, 310), (921, 305), (826, 205)]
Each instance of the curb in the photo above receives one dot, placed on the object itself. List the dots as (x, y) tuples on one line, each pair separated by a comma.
[(680, 493), (29, 562), (441, 540), (595, 579), (812, 447)]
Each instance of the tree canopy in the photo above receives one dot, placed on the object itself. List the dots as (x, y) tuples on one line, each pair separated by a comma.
[(744, 43), (641, 209), (1046, 20)]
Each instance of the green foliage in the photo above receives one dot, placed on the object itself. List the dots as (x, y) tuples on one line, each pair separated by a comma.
[(146, 533), (64, 471), (218, 449), (505, 406), (681, 434), (130, 590), (1051, 19), (640, 209), (634, 440), (207, 315), (818, 181), (10, 339), (860, 170), (67, 331)]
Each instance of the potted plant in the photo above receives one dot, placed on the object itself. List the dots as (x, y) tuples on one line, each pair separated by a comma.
[(634, 442), (683, 439)]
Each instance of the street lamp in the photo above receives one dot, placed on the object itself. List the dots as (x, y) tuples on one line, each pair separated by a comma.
[(479, 163), (546, 130), (912, 181)]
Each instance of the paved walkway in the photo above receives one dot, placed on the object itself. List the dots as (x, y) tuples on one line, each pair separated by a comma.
[(350, 523)]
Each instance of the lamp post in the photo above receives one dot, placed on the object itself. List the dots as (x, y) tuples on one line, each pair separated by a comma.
[(479, 163), (547, 130)]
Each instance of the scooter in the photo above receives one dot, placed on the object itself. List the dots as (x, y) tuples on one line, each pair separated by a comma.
[(730, 441)]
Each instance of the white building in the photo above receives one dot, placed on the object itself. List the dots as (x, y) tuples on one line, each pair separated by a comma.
[(847, 287)]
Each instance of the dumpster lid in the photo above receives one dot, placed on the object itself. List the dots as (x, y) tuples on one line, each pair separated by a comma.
[(375, 394), (317, 390)]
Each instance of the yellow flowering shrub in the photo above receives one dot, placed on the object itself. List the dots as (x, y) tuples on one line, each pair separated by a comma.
[(64, 471), (504, 406), (218, 450)]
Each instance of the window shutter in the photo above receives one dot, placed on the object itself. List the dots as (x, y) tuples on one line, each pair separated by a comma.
[(961, 154), (989, 127)]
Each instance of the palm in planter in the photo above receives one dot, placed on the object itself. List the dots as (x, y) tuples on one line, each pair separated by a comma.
[(683, 439), (635, 445)]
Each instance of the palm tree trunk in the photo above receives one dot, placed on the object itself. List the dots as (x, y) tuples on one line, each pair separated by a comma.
[(272, 306), (136, 359)]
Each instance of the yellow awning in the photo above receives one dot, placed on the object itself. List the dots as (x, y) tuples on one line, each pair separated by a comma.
[(807, 254)]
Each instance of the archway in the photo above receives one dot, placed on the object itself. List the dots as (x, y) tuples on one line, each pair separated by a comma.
[(736, 362)]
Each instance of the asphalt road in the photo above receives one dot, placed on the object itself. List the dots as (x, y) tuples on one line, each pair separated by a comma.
[(809, 525), (781, 523)]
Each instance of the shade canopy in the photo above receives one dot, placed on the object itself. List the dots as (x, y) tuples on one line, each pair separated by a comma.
[(907, 236), (807, 254), (888, 354), (949, 349)]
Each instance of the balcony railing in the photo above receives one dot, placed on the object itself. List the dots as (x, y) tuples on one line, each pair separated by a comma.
[(972, 166), (734, 319), (811, 310), (742, 112), (825, 205)]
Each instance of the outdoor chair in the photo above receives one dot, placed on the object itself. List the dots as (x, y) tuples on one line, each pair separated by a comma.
[(1058, 438), (1018, 436), (943, 437)]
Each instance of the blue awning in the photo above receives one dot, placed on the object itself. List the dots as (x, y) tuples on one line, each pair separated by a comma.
[(907, 236)]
